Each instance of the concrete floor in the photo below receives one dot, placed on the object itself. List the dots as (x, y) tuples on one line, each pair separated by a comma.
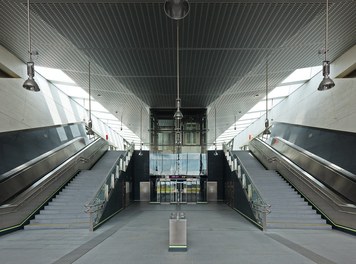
[(139, 234)]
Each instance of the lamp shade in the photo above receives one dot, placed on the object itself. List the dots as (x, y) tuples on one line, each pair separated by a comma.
[(176, 9), (178, 115), (30, 84), (327, 83), (266, 131)]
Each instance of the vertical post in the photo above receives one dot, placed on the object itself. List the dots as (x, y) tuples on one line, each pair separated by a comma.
[(91, 221), (264, 220)]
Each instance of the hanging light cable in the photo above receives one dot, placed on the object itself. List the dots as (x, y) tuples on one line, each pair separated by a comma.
[(30, 84), (178, 116), (90, 131), (266, 131), (177, 9), (141, 145), (216, 152), (327, 82)]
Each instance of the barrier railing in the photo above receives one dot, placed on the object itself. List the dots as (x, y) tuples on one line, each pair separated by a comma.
[(259, 207), (96, 206)]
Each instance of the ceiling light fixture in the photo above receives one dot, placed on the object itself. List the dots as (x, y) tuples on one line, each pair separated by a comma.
[(176, 9), (266, 131), (327, 83), (30, 84), (90, 131)]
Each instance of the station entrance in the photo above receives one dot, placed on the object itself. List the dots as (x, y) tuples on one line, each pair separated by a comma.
[(179, 190)]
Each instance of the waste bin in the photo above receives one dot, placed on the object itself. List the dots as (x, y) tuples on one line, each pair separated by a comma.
[(178, 232)]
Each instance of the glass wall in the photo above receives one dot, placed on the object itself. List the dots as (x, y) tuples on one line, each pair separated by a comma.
[(191, 164)]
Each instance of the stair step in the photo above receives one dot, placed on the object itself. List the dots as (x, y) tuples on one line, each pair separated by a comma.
[(279, 225), (67, 209), (50, 211), (59, 221), (77, 215), (288, 207), (57, 226), (286, 218)]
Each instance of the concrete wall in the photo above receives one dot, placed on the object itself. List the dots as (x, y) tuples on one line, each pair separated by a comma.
[(332, 109), (22, 109)]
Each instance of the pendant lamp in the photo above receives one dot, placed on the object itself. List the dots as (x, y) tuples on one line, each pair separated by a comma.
[(327, 83), (30, 84), (90, 131), (266, 131)]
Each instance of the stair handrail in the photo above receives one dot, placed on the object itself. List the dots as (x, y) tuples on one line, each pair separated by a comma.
[(258, 205), (95, 206)]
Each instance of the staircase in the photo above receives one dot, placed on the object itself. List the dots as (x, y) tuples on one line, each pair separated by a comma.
[(66, 210), (288, 209)]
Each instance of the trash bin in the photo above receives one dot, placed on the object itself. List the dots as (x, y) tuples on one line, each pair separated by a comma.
[(178, 232)]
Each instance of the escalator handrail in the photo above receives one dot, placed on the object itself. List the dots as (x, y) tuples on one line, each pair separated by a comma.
[(322, 190), (26, 194), (324, 171), (325, 163), (25, 166)]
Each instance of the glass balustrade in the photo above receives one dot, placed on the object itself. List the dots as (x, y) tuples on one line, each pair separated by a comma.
[(96, 207), (259, 207)]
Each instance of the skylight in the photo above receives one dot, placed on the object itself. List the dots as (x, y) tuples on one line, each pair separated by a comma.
[(275, 96), (73, 91), (64, 83), (302, 75), (54, 75)]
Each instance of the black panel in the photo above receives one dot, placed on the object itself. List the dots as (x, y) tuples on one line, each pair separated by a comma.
[(216, 171), (235, 195), (116, 201), (337, 147), (21, 146), (140, 172)]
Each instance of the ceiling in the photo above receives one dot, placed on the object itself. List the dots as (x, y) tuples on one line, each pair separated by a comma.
[(132, 46)]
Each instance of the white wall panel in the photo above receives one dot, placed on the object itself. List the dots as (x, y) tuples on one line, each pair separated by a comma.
[(22, 109), (332, 109)]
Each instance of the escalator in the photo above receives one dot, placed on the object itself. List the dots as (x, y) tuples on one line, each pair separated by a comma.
[(328, 188), (28, 188)]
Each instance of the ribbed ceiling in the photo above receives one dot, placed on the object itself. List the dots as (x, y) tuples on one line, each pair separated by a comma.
[(224, 45)]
